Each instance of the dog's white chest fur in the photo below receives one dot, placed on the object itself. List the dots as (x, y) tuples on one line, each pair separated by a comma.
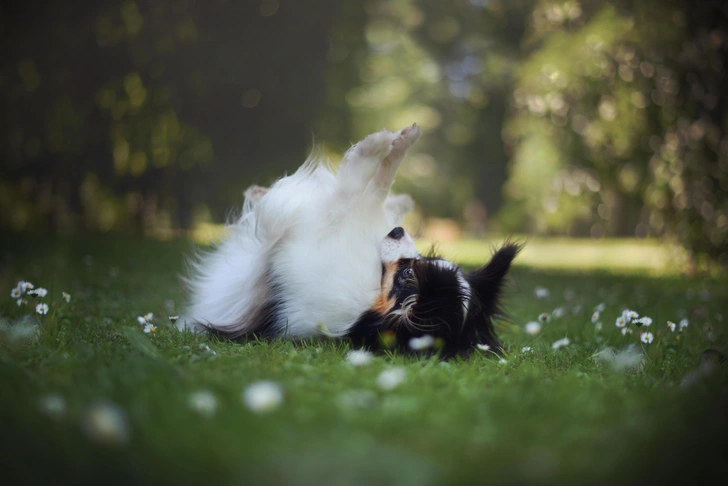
[(305, 256)]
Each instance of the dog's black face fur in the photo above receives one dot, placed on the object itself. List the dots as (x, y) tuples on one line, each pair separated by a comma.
[(426, 296)]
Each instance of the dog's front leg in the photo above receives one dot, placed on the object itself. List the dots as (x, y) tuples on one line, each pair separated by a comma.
[(383, 178), (361, 161)]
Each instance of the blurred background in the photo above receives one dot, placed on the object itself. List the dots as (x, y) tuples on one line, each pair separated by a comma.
[(578, 118)]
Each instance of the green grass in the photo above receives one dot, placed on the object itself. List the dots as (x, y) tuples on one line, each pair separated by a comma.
[(548, 416)]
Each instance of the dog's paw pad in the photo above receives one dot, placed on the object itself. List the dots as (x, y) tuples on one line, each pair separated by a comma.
[(407, 136), (376, 144)]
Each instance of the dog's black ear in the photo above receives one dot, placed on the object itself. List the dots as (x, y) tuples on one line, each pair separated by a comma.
[(487, 281), (439, 296)]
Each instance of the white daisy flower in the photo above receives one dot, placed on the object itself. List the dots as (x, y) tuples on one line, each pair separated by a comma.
[(39, 292), (544, 317), (621, 322), (600, 307), (558, 313), (66, 296), (683, 324), (483, 347), (626, 330), (598, 326), (359, 357), (560, 343), (21, 302), (263, 396), (15, 293), (645, 321), (173, 319), (391, 378), (671, 325), (502, 361), (542, 293), (203, 402), (25, 286), (628, 315), (526, 349), (149, 317), (420, 343), (595, 317), (150, 328), (106, 423), (42, 309), (141, 320), (647, 337), (533, 328)]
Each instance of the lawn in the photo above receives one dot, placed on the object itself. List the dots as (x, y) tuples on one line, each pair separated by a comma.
[(87, 397)]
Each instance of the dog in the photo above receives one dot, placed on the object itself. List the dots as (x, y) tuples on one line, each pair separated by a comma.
[(322, 253)]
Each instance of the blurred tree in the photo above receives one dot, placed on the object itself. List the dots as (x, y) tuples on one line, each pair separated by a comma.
[(449, 67), (477, 44), (619, 122), (116, 110)]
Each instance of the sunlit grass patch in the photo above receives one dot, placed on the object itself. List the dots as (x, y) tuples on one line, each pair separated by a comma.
[(614, 255)]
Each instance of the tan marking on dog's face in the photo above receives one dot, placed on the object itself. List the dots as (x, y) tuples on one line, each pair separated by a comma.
[(384, 302)]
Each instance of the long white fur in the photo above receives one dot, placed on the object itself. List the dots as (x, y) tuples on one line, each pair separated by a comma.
[(315, 237)]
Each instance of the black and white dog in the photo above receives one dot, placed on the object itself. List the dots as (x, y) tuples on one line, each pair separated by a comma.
[(322, 253)]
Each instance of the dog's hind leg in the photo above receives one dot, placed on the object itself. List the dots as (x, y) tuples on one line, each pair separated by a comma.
[(383, 178), (361, 161)]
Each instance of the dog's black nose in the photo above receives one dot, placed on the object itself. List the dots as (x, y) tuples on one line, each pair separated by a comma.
[(396, 234)]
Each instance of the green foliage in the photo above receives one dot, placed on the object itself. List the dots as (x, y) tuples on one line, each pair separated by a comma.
[(544, 416), (139, 100), (622, 103)]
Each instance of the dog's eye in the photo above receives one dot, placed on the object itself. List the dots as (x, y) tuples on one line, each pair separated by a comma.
[(408, 273)]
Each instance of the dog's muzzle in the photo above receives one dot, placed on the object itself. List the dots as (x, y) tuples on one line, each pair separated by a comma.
[(397, 245)]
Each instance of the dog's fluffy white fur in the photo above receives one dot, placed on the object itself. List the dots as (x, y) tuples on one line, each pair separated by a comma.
[(316, 237)]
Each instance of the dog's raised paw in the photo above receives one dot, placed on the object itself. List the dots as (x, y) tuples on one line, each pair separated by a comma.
[(375, 145), (406, 137)]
